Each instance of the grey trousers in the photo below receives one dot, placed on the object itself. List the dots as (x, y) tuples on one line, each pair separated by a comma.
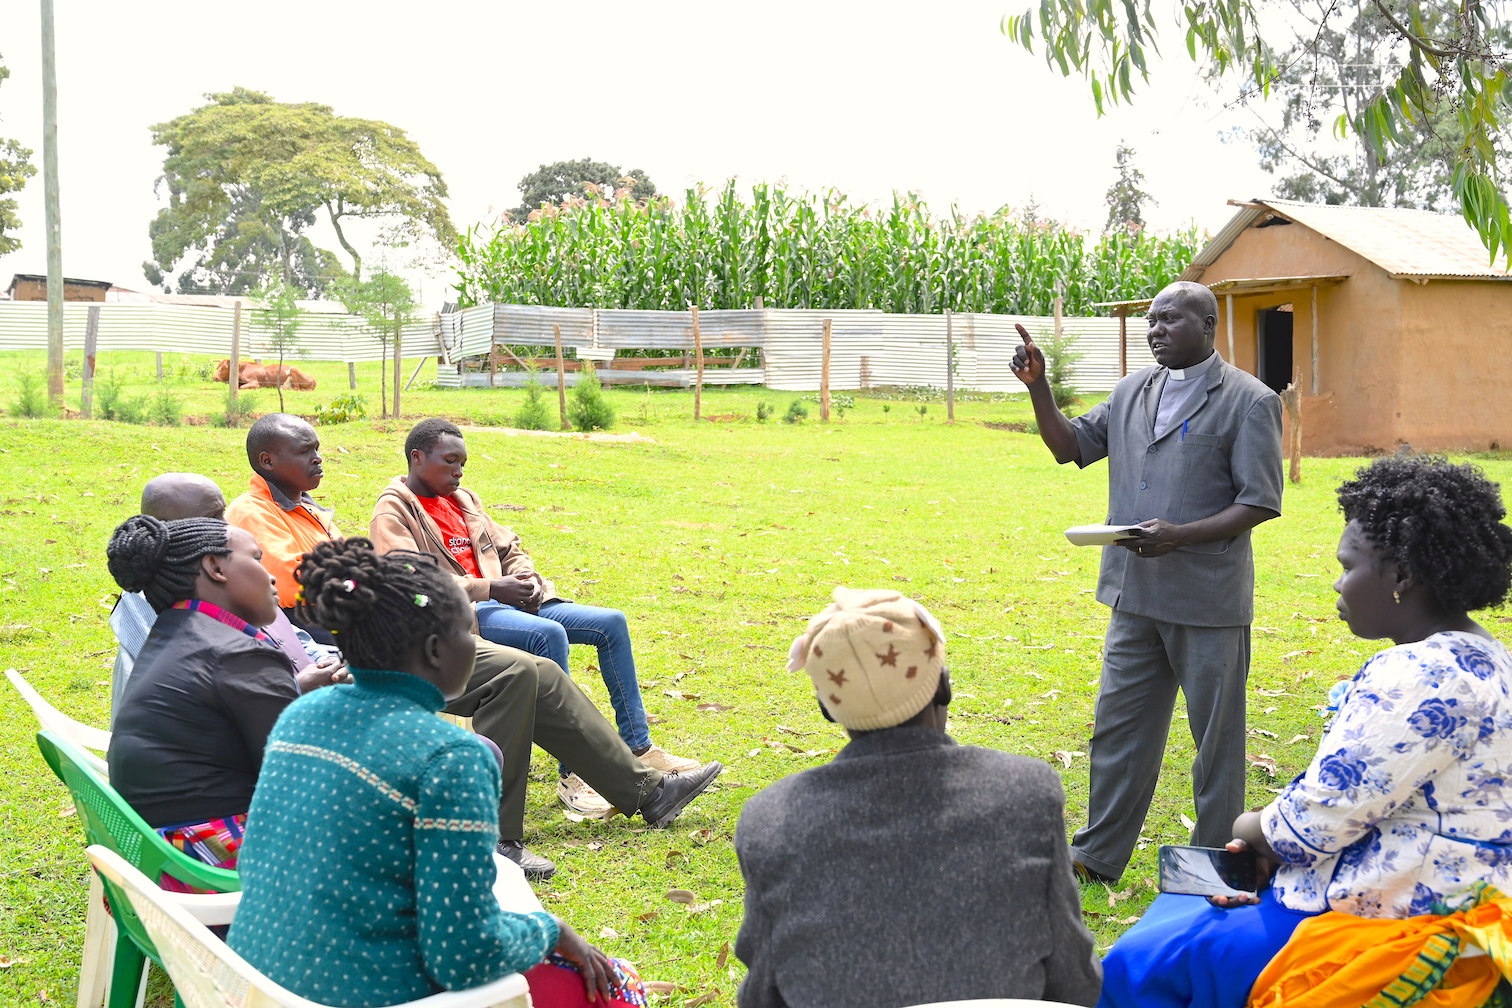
[(516, 698), (1144, 661)]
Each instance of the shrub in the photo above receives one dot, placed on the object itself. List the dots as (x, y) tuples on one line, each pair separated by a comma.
[(115, 405), (763, 411), (1059, 357), (533, 414), (589, 410), (921, 409), (236, 410), (164, 408), (33, 402), (343, 409), (796, 411)]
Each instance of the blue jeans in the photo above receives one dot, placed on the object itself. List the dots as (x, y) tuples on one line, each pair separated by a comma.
[(561, 623)]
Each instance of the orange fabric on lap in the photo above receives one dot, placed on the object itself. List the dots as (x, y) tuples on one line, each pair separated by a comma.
[(1337, 960)]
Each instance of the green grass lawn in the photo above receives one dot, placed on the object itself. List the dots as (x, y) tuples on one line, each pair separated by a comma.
[(718, 539)]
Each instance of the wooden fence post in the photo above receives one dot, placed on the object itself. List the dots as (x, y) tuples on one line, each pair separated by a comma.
[(160, 365), (1291, 402), (91, 336), (949, 367), (1228, 312), (561, 370), (1123, 342), (824, 368), (398, 363), (698, 367), (233, 376)]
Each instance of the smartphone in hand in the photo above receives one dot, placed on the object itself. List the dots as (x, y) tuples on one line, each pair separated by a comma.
[(1207, 871)]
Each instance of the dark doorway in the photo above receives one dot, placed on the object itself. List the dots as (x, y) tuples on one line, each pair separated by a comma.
[(1275, 346)]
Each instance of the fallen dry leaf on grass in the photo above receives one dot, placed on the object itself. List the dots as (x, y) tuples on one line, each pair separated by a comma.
[(1263, 761), (660, 987), (680, 896), (713, 707), (704, 998), (1186, 820), (608, 932), (723, 957)]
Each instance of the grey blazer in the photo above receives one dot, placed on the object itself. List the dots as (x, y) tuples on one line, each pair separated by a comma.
[(908, 870), (1224, 448)]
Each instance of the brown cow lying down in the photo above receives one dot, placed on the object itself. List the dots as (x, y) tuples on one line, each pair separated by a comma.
[(255, 374)]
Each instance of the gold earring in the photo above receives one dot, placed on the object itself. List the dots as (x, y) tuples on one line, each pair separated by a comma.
[(1396, 597)]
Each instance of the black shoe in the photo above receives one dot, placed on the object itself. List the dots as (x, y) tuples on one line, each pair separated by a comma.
[(1085, 874), (675, 791), (537, 868)]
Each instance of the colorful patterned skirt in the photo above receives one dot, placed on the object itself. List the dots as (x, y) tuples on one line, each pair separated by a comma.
[(216, 842), (556, 983)]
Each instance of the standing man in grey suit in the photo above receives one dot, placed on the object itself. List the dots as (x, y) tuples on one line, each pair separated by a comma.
[(1194, 460), (909, 869)]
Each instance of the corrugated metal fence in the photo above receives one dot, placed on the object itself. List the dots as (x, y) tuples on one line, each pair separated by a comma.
[(199, 330), (868, 348)]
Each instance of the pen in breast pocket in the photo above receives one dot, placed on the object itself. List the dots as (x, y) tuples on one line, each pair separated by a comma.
[(1183, 429)]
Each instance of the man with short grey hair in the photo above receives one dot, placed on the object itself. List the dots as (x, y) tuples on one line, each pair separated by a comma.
[(908, 869), (1194, 463)]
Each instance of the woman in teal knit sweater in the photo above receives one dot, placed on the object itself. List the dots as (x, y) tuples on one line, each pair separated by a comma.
[(368, 867)]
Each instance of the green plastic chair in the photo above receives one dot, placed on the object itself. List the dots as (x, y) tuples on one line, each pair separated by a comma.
[(110, 822)]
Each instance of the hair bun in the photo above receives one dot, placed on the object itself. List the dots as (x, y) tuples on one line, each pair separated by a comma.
[(136, 551)]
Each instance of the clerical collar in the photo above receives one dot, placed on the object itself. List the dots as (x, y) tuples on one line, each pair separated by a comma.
[(1195, 371)]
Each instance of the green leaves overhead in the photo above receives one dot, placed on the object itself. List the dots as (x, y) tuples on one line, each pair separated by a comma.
[(1456, 58)]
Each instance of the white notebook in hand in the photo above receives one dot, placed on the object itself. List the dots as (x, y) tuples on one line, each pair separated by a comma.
[(1100, 535)]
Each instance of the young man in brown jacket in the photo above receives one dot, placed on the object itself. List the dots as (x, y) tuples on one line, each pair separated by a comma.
[(428, 511)]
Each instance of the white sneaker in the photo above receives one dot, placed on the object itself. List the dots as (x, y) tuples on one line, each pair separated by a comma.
[(659, 759), (575, 793)]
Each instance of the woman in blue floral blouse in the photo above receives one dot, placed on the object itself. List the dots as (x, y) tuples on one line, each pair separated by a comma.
[(1406, 804)]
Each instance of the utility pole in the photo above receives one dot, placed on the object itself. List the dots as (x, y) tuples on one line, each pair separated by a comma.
[(54, 222)]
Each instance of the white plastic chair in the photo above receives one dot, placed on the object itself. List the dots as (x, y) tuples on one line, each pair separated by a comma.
[(207, 974), (51, 719), (99, 930)]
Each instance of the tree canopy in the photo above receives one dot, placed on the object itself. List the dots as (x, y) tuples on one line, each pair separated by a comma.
[(555, 182), (1338, 71), (1444, 57), (15, 169), (1125, 197), (247, 176)]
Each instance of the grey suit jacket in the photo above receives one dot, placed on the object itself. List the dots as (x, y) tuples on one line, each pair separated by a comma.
[(1224, 448), (908, 870)]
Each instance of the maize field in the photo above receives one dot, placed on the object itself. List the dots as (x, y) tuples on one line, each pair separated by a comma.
[(718, 249)]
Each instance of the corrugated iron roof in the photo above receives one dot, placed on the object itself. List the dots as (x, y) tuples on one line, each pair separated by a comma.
[(1411, 244)]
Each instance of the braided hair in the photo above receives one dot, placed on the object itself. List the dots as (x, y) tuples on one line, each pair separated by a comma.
[(162, 559), (1442, 523), (381, 606)]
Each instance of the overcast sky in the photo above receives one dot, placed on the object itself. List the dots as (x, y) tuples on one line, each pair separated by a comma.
[(865, 98)]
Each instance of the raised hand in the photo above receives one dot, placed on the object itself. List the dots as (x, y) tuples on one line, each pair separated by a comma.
[(1028, 361)]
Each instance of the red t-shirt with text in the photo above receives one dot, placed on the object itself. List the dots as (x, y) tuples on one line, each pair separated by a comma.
[(446, 514)]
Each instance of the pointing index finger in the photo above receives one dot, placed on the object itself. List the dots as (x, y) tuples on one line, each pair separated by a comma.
[(1024, 333)]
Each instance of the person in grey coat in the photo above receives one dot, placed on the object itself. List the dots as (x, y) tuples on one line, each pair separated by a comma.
[(1194, 463), (909, 869)]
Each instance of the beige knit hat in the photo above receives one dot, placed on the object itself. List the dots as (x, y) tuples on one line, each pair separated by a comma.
[(875, 657)]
